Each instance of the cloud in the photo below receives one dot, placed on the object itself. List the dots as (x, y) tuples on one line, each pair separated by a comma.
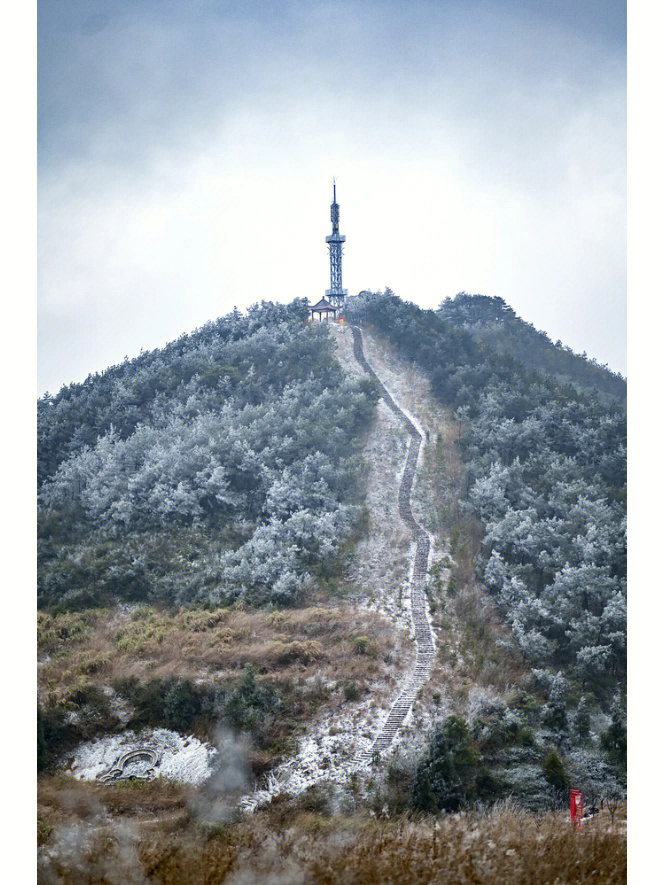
[(186, 152)]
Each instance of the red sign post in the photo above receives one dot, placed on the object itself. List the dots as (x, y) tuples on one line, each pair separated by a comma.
[(576, 807)]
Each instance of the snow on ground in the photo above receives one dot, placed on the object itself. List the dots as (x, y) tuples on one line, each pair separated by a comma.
[(184, 759), (380, 574), (382, 560), (411, 389), (330, 752)]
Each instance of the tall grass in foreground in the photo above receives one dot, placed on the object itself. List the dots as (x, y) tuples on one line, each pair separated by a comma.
[(289, 845)]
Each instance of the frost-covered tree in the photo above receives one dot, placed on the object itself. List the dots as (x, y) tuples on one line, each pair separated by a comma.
[(248, 436), (545, 469)]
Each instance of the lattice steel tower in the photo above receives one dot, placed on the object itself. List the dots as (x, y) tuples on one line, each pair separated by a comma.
[(335, 294)]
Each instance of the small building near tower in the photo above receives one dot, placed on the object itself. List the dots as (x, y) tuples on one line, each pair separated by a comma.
[(323, 312)]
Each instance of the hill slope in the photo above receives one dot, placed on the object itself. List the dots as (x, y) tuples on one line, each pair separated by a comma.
[(243, 468), (222, 467), (543, 493), (494, 323), (545, 474)]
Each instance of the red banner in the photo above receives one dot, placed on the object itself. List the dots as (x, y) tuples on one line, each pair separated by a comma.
[(575, 807)]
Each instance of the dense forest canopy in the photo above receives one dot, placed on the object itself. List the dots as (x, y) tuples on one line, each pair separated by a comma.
[(542, 435), (243, 439), (222, 466), (137, 390)]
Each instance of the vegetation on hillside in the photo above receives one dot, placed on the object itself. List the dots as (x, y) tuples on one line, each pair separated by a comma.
[(217, 480), (544, 490), (223, 467), (495, 324), (262, 674), (167, 835)]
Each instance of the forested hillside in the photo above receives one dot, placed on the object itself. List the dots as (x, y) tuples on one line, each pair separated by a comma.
[(222, 466), (222, 477), (544, 489), (495, 323)]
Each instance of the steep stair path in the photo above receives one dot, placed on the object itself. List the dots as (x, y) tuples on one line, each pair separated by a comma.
[(419, 606), (303, 771)]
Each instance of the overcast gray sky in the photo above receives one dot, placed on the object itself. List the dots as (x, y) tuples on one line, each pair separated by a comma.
[(186, 149)]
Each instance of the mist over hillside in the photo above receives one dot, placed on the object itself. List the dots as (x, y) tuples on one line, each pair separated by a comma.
[(496, 324)]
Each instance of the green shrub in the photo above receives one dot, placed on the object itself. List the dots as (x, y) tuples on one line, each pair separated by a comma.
[(351, 691), (146, 698), (55, 632), (582, 722), (90, 664), (364, 646), (181, 705), (446, 778), (555, 772), (554, 717), (247, 707), (394, 790), (614, 739), (52, 734)]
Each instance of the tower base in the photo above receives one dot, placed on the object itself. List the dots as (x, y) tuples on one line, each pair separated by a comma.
[(338, 299)]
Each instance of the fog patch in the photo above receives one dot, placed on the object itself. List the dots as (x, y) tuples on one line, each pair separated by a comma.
[(215, 803), (86, 853)]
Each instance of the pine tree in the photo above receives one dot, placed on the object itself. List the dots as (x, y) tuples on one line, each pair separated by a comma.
[(181, 705), (555, 773), (582, 721), (614, 739)]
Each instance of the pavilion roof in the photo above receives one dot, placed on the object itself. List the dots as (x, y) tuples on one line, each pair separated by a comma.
[(322, 305)]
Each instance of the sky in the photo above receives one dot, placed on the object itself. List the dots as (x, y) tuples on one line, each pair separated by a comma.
[(186, 152)]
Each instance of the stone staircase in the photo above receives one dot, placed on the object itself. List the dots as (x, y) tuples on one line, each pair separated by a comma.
[(424, 642), (307, 772)]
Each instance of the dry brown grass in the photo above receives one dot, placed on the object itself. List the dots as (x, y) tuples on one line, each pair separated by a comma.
[(62, 801), (154, 834), (339, 644)]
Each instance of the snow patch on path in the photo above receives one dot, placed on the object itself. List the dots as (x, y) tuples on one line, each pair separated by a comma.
[(341, 746)]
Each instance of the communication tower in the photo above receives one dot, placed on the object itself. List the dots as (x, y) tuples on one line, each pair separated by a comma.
[(336, 295)]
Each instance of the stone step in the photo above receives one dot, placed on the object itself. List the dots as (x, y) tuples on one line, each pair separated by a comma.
[(419, 604)]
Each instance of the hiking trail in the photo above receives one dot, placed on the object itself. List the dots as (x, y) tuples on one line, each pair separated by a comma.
[(419, 605)]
